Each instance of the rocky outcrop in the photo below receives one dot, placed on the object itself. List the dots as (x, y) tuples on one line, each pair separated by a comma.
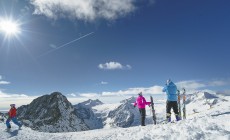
[(51, 113)]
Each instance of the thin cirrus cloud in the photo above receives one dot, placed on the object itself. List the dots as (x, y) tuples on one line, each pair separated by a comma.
[(53, 46), (88, 10), (113, 66)]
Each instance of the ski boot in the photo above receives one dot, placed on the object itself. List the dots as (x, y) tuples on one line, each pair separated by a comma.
[(178, 118), (169, 119), (20, 127), (8, 128)]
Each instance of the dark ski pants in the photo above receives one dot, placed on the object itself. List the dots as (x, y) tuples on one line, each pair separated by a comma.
[(143, 114), (15, 121), (169, 106)]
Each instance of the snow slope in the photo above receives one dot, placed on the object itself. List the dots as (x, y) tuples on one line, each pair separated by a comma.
[(210, 123)]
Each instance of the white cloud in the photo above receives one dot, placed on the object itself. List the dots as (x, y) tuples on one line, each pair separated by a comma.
[(18, 99), (89, 95), (128, 67), (225, 92), (190, 85), (135, 91), (72, 95), (4, 95), (218, 83), (104, 83), (88, 10), (83, 95), (197, 85), (4, 83), (193, 86), (113, 66)]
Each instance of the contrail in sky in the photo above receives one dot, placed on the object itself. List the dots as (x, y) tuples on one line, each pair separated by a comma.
[(64, 45)]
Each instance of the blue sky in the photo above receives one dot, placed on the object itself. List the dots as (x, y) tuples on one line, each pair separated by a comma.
[(133, 45)]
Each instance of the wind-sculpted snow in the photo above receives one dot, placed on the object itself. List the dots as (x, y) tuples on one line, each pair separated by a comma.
[(51, 113)]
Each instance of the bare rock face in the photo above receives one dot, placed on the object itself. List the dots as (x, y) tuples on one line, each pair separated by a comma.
[(51, 113)]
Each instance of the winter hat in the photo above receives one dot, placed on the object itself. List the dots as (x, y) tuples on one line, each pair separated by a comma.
[(168, 81), (140, 93), (12, 105)]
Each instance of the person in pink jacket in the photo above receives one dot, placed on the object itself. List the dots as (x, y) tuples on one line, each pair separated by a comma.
[(141, 103)]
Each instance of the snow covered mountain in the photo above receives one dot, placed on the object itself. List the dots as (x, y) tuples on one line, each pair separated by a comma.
[(90, 103), (51, 113), (130, 100), (122, 116), (201, 101), (209, 123), (85, 112)]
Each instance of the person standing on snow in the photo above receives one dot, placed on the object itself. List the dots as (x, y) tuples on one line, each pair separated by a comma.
[(171, 90), (12, 116), (141, 102)]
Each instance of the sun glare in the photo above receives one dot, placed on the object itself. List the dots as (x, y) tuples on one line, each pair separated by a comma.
[(9, 27)]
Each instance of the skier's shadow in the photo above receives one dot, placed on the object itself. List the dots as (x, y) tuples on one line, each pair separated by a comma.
[(13, 133)]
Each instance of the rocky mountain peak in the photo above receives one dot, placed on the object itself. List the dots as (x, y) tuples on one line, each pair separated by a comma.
[(51, 113)]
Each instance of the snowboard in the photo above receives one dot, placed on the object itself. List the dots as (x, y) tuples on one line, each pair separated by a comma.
[(153, 110), (184, 106)]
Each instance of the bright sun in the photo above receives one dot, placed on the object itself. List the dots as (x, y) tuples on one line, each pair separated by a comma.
[(9, 27)]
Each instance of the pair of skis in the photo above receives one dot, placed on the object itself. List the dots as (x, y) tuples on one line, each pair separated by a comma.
[(183, 103), (153, 110)]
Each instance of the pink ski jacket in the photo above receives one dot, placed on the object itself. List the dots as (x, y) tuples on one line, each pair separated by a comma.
[(141, 102)]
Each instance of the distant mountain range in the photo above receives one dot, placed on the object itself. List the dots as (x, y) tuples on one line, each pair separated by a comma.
[(54, 113)]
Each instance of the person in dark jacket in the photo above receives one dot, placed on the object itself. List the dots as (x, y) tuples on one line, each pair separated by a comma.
[(12, 116), (172, 97), (141, 103)]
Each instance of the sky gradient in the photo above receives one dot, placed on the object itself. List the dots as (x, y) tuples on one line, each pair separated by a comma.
[(129, 45)]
